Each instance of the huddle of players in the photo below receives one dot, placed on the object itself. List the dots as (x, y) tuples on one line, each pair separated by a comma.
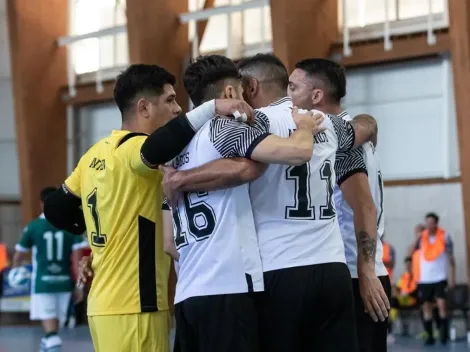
[(277, 252), (260, 250)]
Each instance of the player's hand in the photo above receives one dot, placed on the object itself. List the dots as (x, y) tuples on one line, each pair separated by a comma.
[(169, 185), (311, 120), (375, 300), (78, 295), (85, 272), (239, 109), (451, 284)]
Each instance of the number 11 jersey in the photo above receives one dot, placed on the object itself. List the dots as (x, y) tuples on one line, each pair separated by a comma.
[(293, 206)]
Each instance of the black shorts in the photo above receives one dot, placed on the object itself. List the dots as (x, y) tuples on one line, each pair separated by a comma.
[(430, 292), (219, 323), (372, 336), (308, 308)]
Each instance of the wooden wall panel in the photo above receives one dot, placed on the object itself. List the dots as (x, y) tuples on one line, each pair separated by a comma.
[(38, 72), (157, 37), (303, 28), (459, 18)]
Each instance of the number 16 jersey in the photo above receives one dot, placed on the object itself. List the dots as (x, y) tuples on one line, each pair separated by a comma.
[(215, 231), (293, 206)]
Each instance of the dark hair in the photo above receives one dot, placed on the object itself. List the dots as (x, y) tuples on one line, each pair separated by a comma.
[(434, 216), (140, 80), (45, 192), (330, 73), (266, 67), (204, 77), (408, 259)]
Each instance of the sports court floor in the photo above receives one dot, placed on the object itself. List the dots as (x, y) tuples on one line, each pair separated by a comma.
[(26, 339)]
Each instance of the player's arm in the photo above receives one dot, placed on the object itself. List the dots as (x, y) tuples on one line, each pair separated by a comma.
[(214, 175), (63, 208), (451, 260), (168, 236), (168, 141), (23, 247), (351, 174), (352, 134), (295, 150)]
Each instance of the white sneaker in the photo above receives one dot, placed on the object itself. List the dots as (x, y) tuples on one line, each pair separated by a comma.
[(53, 344), (390, 339), (72, 322), (42, 346)]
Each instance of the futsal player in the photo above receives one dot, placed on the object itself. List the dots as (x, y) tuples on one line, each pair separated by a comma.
[(287, 242), (321, 84), (434, 267), (51, 286), (114, 193), (219, 264)]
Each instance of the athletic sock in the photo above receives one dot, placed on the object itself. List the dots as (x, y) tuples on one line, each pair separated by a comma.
[(444, 331), (50, 334), (428, 329)]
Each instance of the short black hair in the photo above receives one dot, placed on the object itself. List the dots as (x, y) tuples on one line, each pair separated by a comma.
[(204, 78), (140, 80), (265, 67), (330, 73), (45, 192), (434, 216)]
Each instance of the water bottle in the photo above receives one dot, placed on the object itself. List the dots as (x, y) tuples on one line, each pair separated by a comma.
[(453, 333)]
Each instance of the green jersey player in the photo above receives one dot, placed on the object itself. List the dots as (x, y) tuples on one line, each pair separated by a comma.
[(51, 281)]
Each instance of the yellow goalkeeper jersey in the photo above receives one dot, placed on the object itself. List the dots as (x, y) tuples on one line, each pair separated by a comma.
[(121, 200)]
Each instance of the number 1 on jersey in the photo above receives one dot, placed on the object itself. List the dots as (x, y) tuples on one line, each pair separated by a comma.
[(303, 209), (97, 238)]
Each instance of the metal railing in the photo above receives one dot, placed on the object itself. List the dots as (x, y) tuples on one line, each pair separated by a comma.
[(428, 23)]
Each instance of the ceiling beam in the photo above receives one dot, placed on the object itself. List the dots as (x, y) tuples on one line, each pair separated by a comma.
[(202, 25), (459, 19), (303, 28), (39, 69)]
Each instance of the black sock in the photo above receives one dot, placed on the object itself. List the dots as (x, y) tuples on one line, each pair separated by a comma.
[(444, 330), (50, 334), (428, 328)]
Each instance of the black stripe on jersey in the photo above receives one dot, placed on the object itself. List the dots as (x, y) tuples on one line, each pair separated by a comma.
[(147, 266), (249, 282), (344, 131), (343, 114), (281, 101), (349, 163), (129, 136), (234, 139), (165, 204)]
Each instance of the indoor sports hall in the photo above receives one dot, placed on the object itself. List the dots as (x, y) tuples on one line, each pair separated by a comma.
[(67, 278)]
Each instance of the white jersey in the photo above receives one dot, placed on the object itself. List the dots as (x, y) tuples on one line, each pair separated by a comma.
[(293, 205), (364, 159), (215, 231)]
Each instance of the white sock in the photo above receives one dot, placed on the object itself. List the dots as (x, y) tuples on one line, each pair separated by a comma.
[(53, 341)]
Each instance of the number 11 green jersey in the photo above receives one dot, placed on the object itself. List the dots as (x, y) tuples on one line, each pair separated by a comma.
[(51, 255)]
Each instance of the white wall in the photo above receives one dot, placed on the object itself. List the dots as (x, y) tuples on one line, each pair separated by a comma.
[(413, 105), (96, 122), (405, 207)]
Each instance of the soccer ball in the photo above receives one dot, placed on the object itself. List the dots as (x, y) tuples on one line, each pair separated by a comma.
[(19, 277)]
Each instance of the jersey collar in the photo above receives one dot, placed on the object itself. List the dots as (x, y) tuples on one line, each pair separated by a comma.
[(344, 115), (282, 101), (42, 216)]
